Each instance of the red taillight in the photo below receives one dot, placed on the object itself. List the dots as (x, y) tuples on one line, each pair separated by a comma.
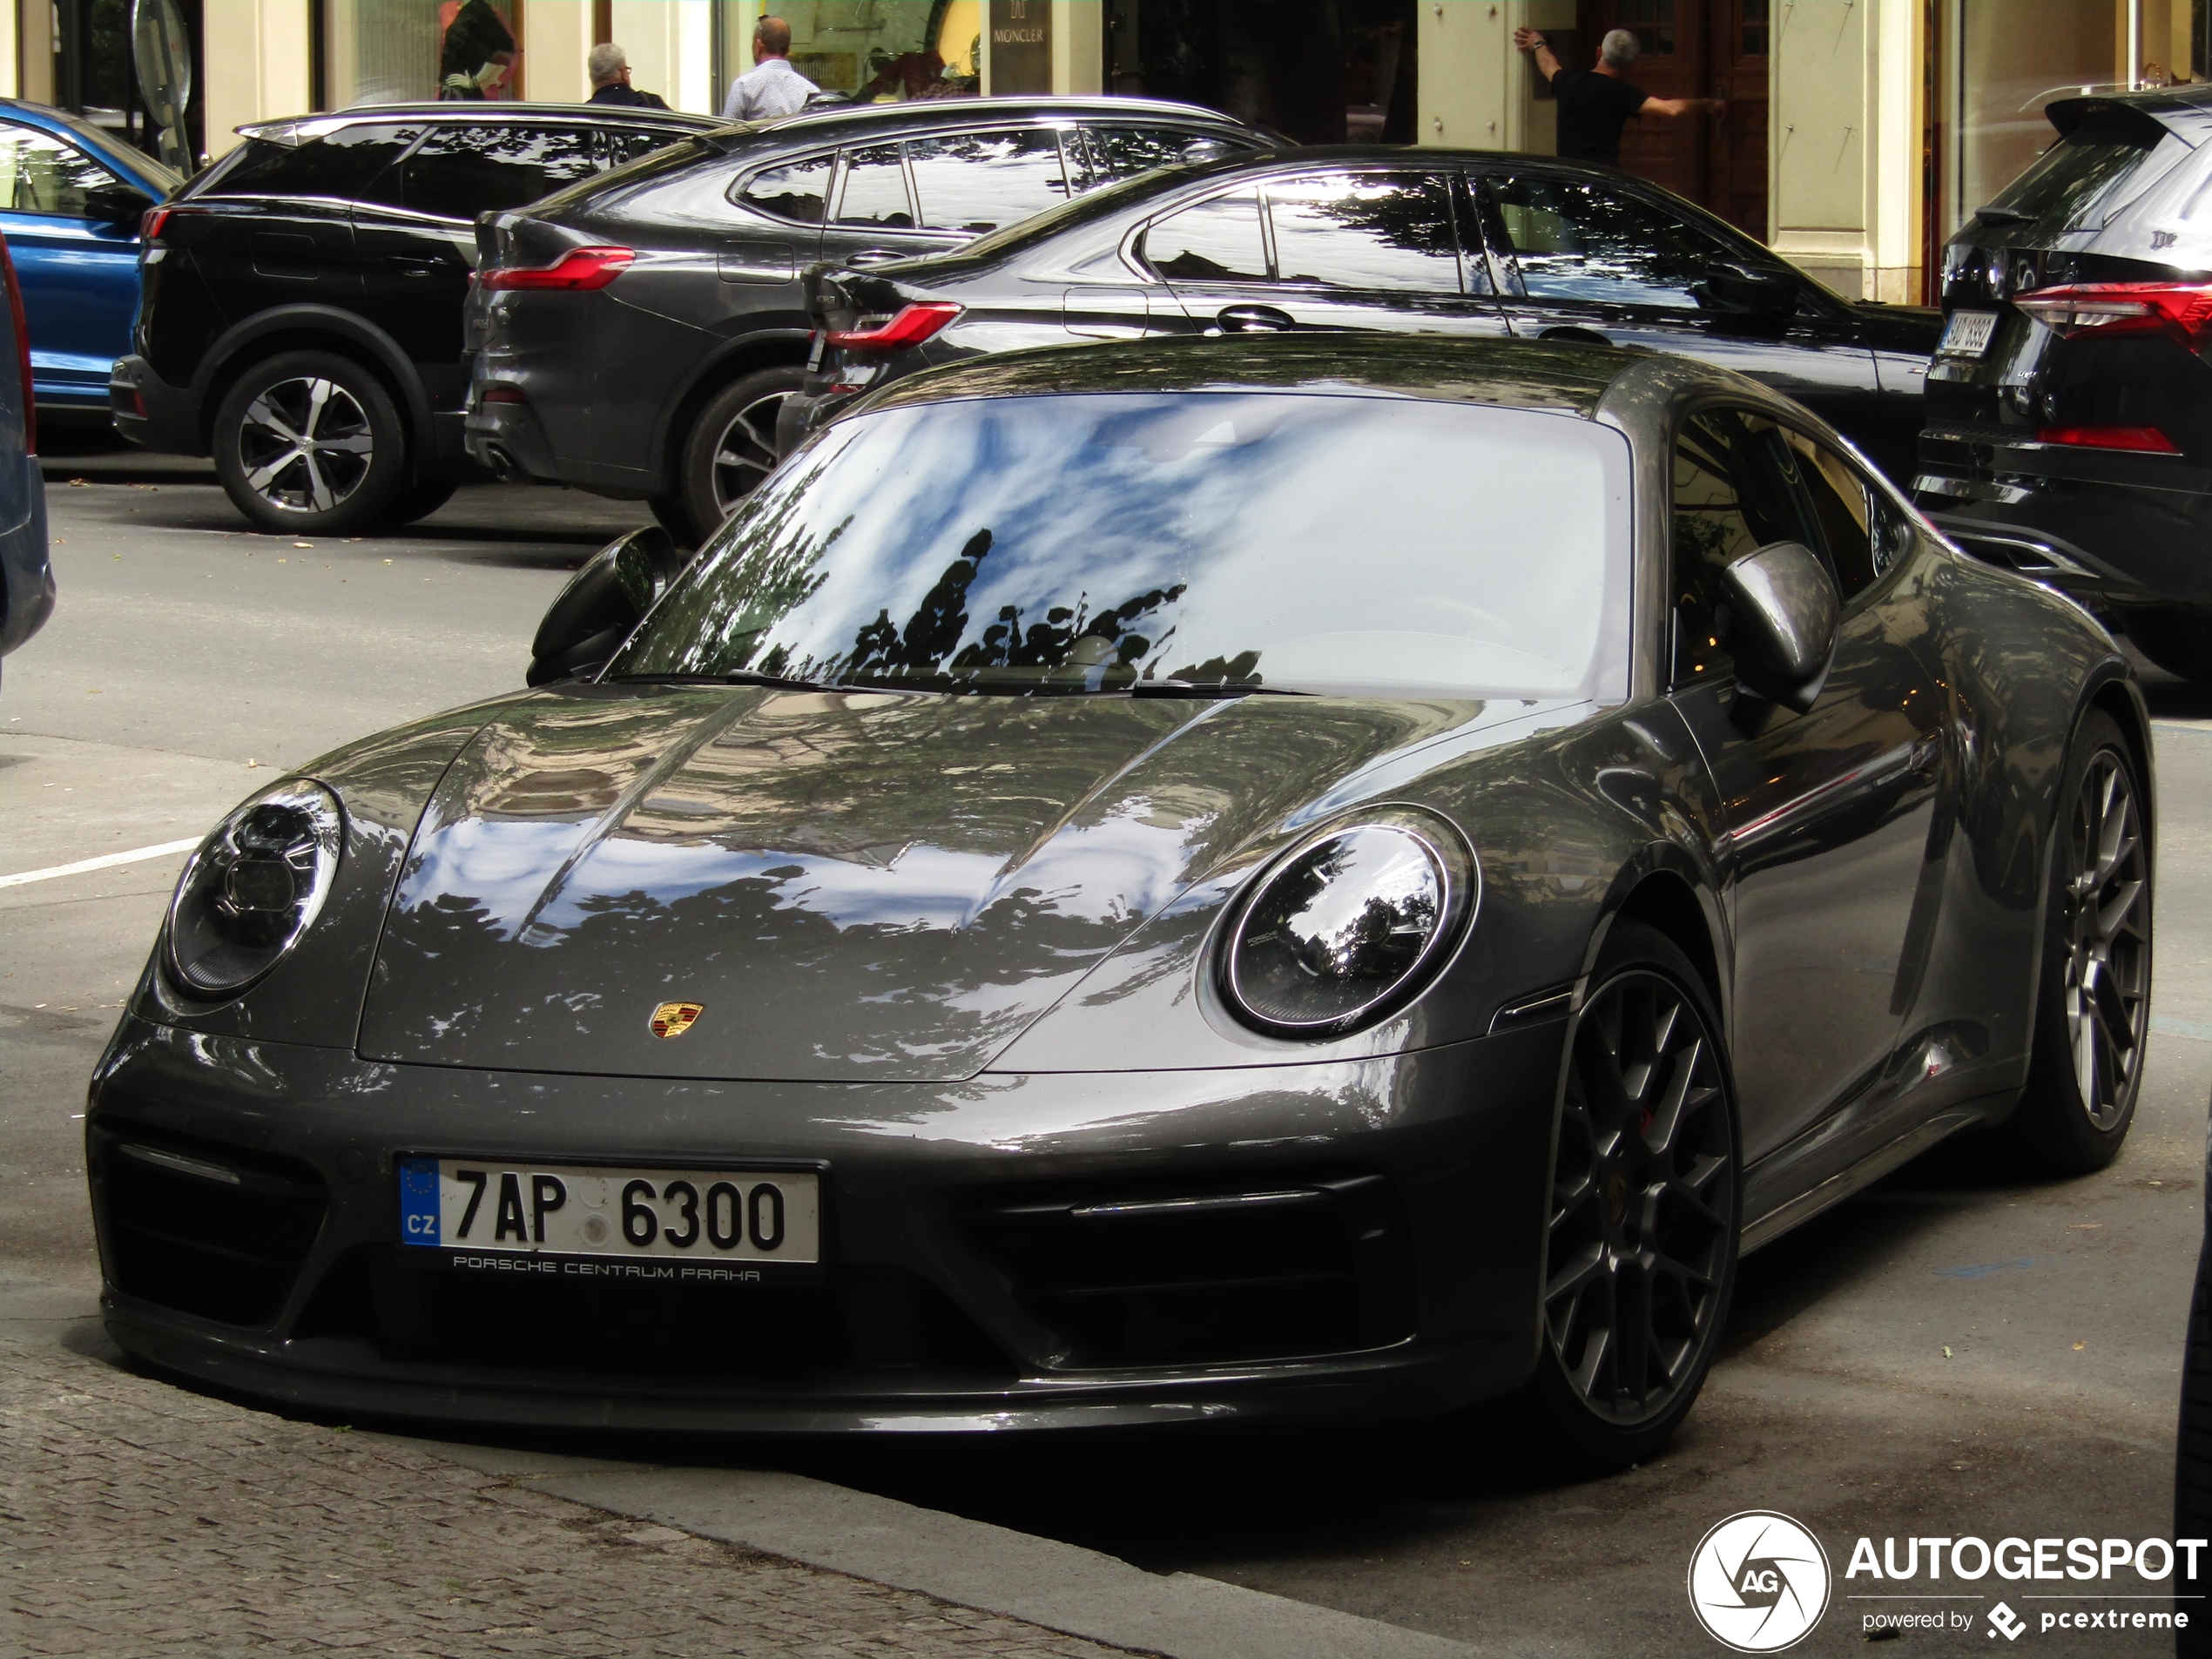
[(2147, 439), (23, 350), (503, 394), (150, 221), (2181, 309), (910, 327), (578, 270)]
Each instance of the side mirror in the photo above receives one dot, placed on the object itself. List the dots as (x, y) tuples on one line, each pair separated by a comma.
[(1749, 290), (590, 619), (1782, 609), (116, 204)]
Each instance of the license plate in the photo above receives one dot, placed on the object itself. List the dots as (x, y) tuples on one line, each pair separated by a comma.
[(1967, 334), (487, 1207)]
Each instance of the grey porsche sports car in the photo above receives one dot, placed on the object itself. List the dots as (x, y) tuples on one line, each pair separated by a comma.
[(1150, 884)]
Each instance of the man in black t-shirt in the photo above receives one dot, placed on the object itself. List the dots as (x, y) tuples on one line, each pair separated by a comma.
[(1594, 103)]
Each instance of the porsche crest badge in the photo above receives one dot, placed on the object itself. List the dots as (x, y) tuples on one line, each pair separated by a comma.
[(674, 1019)]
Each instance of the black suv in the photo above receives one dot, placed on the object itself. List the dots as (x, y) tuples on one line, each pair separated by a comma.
[(301, 319), (638, 333), (2069, 409), (1397, 240)]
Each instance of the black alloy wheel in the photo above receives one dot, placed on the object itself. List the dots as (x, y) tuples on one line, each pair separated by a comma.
[(1642, 1224), (310, 443), (733, 448), (2093, 1013)]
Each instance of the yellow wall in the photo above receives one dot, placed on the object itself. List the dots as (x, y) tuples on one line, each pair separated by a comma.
[(255, 61), (556, 34)]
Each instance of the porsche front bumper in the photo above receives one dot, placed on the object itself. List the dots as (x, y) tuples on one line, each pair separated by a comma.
[(1354, 1240)]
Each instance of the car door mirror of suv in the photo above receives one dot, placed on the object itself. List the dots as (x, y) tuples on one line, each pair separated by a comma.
[(1781, 609), (1748, 290), (590, 619), (116, 204)]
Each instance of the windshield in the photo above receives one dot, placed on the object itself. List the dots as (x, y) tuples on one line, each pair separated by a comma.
[(2080, 181), (1209, 542), (109, 148)]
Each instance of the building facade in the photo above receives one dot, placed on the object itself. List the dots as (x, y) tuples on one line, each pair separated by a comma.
[(1859, 133)]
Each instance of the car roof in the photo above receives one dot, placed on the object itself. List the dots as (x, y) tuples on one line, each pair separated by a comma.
[(1557, 377), (293, 129), (960, 112)]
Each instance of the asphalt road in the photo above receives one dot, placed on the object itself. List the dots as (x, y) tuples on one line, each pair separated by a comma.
[(1945, 1355)]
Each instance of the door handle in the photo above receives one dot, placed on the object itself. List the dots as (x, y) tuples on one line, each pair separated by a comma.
[(416, 265), (876, 256), (1254, 320)]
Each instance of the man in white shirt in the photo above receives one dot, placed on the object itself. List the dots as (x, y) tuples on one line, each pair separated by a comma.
[(771, 86)]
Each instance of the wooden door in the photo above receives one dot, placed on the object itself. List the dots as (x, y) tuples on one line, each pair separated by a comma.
[(1696, 49)]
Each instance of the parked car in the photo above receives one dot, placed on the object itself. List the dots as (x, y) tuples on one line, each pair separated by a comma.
[(639, 334), (26, 577), (1404, 241), (302, 320), (70, 200), (2069, 412), (1159, 882)]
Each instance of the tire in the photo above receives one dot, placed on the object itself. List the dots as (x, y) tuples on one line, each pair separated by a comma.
[(732, 448), (420, 499), (1636, 1225), (2093, 996), (347, 477)]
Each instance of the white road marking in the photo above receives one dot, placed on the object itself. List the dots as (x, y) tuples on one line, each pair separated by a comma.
[(136, 855)]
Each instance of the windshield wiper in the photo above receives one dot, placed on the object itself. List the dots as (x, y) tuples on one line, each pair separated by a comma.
[(735, 677), (1199, 688)]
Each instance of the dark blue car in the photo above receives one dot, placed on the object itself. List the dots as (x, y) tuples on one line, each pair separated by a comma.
[(69, 200)]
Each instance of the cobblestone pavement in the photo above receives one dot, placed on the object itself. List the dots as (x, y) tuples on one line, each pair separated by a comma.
[(142, 1519)]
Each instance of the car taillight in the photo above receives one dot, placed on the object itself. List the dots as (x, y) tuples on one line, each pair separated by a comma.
[(150, 221), (2146, 439), (2181, 309), (23, 350), (578, 270), (909, 327)]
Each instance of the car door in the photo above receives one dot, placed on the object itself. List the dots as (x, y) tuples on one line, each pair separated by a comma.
[(1585, 258), (1826, 816), (416, 238), (79, 275), (1366, 248)]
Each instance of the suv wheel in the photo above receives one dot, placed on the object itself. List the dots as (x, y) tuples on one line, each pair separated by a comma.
[(733, 447), (309, 443)]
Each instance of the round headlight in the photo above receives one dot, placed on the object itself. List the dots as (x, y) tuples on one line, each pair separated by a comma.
[(1348, 926), (253, 889)]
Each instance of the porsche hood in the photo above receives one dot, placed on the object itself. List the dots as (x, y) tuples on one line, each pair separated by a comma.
[(849, 886)]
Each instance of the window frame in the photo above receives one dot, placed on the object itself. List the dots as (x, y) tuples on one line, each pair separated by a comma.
[(735, 195), (1139, 238), (9, 128), (1442, 177)]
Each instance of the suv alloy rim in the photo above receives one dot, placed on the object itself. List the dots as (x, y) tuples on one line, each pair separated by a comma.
[(1642, 1200), (305, 445), (745, 452), (2107, 954)]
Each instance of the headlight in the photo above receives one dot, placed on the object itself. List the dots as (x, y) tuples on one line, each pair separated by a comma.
[(253, 889), (1349, 924)]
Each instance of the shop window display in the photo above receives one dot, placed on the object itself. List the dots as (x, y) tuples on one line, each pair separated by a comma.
[(402, 51)]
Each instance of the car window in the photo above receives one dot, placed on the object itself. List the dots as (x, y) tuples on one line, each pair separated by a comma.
[(874, 191), (620, 145), (1213, 241), (1843, 506), (1736, 488), (467, 169), (1349, 230), (40, 173), (1118, 152), (978, 181), (1585, 242), (797, 190), (343, 164)]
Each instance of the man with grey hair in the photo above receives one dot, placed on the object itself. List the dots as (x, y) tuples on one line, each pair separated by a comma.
[(609, 67), (1594, 103), (772, 87)]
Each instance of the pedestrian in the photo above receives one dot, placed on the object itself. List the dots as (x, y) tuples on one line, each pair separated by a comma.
[(609, 67), (771, 86), (477, 53), (1594, 103)]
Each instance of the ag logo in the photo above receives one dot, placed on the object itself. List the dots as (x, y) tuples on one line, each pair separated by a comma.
[(674, 1019), (1759, 1582)]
